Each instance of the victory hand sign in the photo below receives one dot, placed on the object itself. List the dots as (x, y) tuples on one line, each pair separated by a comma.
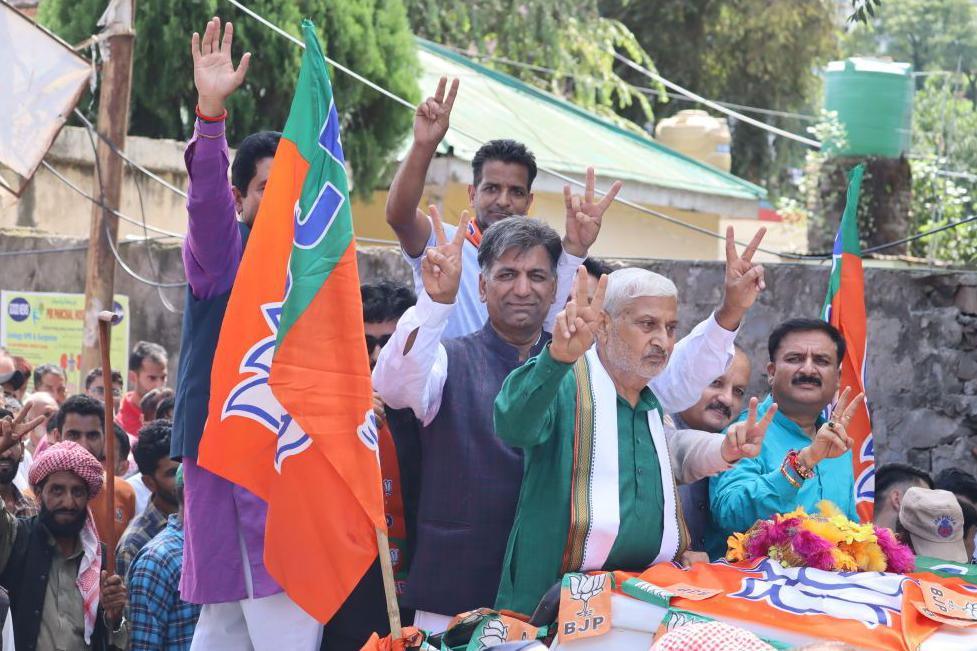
[(214, 74), (431, 117), (744, 439), (14, 429), (584, 215), (744, 281), (832, 439), (576, 325), (441, 264)]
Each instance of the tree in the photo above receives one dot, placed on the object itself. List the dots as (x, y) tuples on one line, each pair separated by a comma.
[(863, 10), (368, 36), (754, 52), (930, 34), (563, 46), (944, 187)]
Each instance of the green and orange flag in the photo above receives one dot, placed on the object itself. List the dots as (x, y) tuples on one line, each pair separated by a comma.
[(290, 415), (844, 308)]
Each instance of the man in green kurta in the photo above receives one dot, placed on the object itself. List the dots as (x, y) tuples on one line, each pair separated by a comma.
[(598, 489)]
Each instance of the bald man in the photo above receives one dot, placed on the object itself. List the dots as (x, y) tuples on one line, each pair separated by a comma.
[(719, 404)]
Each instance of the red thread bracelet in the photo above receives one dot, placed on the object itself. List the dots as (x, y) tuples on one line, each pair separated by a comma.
[(208, 118)]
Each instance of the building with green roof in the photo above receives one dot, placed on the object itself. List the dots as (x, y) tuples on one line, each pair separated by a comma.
[(566, 139)]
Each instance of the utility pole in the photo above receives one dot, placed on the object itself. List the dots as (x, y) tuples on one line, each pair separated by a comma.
[(115, 44)]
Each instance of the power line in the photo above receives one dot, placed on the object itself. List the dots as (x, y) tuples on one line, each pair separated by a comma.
[(563, 177), (121, 154), (128, 270), (919, 236), (642, 89), (715, 106), (101, 204)]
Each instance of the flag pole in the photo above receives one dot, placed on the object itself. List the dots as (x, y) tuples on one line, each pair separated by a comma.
[(389, 587), (105, 321)]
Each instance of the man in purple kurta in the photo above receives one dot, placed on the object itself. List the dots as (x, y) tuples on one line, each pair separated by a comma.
[(223, 568)]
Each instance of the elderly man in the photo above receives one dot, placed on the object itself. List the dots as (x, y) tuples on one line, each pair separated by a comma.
[(598, 489), (720, 402), (471, 478), (60, 597), (50, 379), (805, 459)]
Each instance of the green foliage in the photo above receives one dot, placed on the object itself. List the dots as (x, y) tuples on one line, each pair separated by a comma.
[(930, 34), (864, 10), (563, 46), (369, 36), (944, 190), (753, 52)]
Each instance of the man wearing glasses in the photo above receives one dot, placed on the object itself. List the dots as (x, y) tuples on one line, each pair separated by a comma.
[(95, 387)]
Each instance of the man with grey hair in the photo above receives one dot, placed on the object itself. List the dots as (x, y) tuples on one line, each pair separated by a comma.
[(470, 478), (598, 489)]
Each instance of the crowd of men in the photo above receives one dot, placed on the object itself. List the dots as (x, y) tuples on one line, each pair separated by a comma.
[(539, 415)]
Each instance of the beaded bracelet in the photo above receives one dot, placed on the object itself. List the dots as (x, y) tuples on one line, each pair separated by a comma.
[(786, 474), (793, 457)]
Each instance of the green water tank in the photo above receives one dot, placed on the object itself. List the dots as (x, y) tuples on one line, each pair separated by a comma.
[(874, 101)]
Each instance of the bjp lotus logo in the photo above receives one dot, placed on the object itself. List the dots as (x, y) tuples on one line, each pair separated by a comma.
[(253, 398), (493, 633), (585, 587)]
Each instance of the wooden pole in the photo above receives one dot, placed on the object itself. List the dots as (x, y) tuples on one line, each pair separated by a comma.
[(389, 586), (113, 122), (105, 321)]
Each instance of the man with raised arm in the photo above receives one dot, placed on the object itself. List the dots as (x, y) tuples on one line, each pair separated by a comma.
[(224, 524), (503, 172), (502, 176)]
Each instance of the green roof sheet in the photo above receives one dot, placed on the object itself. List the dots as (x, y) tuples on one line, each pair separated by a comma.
[(563, 137)]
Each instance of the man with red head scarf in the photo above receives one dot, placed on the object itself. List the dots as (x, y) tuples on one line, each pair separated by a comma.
[(51, 563)]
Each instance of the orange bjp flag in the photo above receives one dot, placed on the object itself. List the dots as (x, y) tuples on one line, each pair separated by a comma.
[(844, 308), (291, 414)]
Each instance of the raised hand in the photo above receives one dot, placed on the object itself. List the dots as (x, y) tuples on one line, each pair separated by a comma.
[(744, 280), (112, 596), (576, 325), (745, 438), (584, 215), (832, 439), (214, 74), (14, 429), (431, 117), (441, 264)]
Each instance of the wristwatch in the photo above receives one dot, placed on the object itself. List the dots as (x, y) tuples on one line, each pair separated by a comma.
[(108, 624)]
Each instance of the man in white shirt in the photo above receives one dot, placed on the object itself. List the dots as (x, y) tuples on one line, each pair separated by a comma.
[(503, 172)]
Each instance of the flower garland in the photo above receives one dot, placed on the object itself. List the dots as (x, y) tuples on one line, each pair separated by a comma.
[(826, 540)]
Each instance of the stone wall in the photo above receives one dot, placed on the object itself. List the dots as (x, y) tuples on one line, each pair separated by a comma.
[(922, 362)]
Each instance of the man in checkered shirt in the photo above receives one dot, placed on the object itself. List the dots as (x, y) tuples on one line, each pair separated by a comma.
[(160, 620)]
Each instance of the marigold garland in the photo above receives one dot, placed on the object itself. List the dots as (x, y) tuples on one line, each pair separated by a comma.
[(826, 540)]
